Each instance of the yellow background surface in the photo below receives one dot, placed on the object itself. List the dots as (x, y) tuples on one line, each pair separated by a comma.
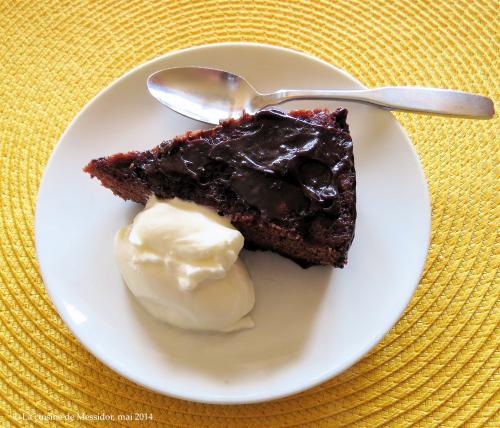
[(437, 367)]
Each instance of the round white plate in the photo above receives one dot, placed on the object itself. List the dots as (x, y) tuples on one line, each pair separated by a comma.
[(310, 324)]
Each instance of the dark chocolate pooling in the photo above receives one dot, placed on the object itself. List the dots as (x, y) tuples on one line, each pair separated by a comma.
[(281, 165)]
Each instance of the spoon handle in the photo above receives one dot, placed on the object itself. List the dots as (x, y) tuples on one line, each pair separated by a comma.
[(407, 98)]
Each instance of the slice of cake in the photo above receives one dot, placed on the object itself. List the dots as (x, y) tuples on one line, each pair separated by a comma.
[(286, 180)]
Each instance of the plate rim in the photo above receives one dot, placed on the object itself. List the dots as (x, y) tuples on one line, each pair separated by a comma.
[(326, 375)]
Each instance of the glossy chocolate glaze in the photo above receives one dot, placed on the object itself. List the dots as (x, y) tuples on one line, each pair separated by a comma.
[(283, 166)]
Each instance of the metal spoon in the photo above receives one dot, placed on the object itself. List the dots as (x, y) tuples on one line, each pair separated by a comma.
[(210, 95)]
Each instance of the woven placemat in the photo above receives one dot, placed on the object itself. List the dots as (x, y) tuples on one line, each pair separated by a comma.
[(437, 367)]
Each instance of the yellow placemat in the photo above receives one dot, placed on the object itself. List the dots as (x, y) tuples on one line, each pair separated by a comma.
[(437, 367)]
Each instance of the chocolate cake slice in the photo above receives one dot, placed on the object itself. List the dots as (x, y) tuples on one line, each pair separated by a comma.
[(286, 180)]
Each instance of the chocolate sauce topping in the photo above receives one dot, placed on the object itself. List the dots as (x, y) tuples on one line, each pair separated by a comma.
[(281, 165)]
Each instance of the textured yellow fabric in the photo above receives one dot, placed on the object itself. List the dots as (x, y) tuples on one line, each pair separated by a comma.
[(437, 367)]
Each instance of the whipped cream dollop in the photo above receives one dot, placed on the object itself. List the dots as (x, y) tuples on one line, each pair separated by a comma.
[(180, 260)]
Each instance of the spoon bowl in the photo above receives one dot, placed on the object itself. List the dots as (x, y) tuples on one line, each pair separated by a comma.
[(204, 94)]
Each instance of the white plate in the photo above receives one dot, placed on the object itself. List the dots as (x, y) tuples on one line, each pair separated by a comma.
[(310, 324)]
